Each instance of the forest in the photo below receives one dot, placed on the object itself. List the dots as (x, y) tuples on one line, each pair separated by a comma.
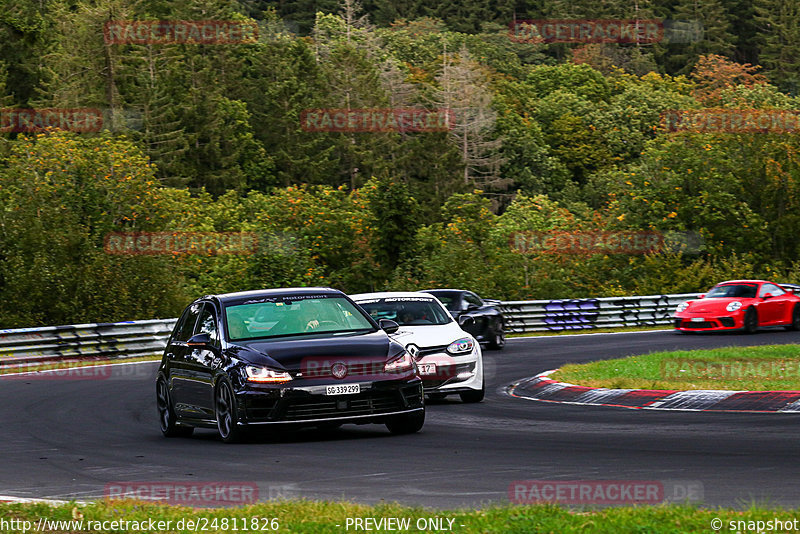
[(525, 136)]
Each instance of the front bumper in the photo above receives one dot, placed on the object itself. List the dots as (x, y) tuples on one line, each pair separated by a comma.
[(308, 404), (690, 323), (453, 374)]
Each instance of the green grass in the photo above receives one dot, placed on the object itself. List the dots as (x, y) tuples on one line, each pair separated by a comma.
[(593, 331), (323, 517), (767, 368)]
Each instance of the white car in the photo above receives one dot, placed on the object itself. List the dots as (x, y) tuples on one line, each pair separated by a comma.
[(449, 359)]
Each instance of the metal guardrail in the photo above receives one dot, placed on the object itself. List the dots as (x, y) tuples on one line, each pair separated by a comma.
[(127, 339), (585, 314), (130, 339)]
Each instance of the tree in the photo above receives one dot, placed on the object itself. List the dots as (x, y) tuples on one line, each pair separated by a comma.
[(780, 41), (712, 74), (463, 91), (60, 195)]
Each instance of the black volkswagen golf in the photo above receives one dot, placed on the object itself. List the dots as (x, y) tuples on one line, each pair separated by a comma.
[(306, 356)]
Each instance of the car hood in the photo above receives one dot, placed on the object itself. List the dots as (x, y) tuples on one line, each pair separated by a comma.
[(712, 305), (430, 335), (292, 353)]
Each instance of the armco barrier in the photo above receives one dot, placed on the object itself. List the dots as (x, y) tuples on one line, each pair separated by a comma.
[(108, 340), (144, 338), (584, 314)]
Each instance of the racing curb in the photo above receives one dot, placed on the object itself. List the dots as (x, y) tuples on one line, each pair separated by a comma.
[(541, 388)]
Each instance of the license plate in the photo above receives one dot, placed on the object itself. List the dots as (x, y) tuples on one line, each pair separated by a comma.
[(343, 389), (427, 368), (697, 319)]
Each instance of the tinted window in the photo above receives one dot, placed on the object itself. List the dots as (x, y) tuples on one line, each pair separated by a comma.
[(293, 315), (451, 301), (742, 291), (407, 311), (186, 324), (472, 300), (208, 324)]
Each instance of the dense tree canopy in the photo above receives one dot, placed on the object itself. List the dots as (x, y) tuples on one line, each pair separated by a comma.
[(540, 137)]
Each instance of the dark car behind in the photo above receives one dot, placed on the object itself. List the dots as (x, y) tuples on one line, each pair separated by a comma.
[(486, 322)]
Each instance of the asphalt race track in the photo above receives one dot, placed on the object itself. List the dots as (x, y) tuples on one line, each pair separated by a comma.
[(68, 439)]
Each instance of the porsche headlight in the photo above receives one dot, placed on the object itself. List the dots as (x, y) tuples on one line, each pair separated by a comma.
[(265, 375), (681, 307), (733, 306), (402, 363), (461, 346)]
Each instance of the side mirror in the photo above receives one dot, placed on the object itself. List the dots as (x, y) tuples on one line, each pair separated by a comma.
[(199, 340), (388, 326), (767, 296), (472, 307), (466, 320), (701, 296)]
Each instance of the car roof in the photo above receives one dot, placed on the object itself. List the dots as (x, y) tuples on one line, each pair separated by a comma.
[(227, 297), (745, 282), (385, 294), (445, 291)]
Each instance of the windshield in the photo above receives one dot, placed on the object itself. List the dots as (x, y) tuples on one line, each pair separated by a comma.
[(742, 291), (407, 311), (292, 315), (451, 300)]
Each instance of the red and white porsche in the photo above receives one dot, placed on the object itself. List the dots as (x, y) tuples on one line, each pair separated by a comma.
[(740, 305)]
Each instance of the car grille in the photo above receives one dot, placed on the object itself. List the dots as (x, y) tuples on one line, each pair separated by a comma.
[(427, 351), (704, 324), (374, 403)]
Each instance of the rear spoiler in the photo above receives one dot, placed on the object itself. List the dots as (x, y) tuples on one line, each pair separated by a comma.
[(791, 288)]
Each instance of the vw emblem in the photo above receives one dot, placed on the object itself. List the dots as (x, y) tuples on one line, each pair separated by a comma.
[(339, 370), (413, 350)]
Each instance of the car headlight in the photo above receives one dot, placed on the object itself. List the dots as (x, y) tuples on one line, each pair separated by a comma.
[(265, 375), (461, 346), (400, 364), (733, 306), (681, 307)]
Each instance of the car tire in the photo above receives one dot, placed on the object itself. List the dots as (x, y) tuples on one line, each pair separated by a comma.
[(166, 413), (407, 423), (750, 321), (795, 324), (225, 412), (475, 395), (498, 339)]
